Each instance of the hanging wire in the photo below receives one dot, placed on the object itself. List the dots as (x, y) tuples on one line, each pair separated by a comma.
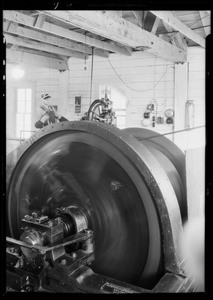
[(154, 75), (91, 76), (85, 61), (172, 132), (157, 135), (165, 86), (154, 101), (141, 91), (197, 21)]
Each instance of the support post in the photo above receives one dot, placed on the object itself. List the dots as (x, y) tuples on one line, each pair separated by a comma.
[(181, 87)]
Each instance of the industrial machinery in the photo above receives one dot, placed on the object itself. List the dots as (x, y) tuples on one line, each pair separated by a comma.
[(95, 209), (101, 111)]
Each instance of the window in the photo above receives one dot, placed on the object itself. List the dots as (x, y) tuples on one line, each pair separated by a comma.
[(119, 103), (23, 113)]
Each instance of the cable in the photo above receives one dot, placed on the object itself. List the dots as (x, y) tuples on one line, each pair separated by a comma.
[(194, 22), (125, 82), (132, 88), (172, 132)]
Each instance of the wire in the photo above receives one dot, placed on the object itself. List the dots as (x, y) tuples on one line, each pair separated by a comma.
[(132, 88), (172, 132), (85, 64), (125, 82), (197, 21), (154, 75)]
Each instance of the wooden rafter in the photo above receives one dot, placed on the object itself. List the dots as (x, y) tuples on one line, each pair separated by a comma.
[(45, 38), (175, 23), (138, 16), (181, 41), (155, 25), (113, 27), (177, 39), (48, 27), (205, 21), (169, 29), (144, 14), (40, 20), (42, 47), (36, 59)]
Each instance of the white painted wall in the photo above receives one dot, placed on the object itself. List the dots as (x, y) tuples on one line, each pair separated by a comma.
[(41, 80), (196, 92), (192, 89), (140, 71)]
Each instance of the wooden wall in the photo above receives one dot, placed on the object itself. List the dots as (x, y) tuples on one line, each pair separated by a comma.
[(192, 88), (138, 75), (139, 72)]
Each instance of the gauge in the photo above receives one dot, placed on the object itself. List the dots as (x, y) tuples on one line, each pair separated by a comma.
[(146, 122), (169, 113)]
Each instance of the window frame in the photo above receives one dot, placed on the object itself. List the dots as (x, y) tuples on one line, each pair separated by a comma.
[(19, 134)]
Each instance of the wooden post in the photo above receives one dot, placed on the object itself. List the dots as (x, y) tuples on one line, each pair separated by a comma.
[(181, 87)]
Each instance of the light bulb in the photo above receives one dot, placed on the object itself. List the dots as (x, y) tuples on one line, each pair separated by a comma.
[(18, 73)]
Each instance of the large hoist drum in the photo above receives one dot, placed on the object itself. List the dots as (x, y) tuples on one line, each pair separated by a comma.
[(129, 183)]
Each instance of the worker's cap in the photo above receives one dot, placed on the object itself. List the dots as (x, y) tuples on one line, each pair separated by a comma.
[(45, 96)]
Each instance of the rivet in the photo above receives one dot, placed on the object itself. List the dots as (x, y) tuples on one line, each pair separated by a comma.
[(63, 262)]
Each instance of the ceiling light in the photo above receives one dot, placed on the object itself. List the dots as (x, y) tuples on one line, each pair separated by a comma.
[(18, 72)]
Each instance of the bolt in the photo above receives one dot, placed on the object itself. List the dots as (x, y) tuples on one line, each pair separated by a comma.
[(73, 255), (51, 223), (46, 263), (29, 288), (34, 215), (58, 220), (63, 262)]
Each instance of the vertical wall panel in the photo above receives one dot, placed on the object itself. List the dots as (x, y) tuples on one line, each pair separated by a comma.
[(196, 92), (140, 77), (181, 87)]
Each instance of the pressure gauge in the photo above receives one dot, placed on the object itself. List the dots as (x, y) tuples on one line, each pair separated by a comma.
[(146, 122), (169, 113)]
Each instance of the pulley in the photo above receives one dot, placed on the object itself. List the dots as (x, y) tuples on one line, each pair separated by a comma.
[(131, 191)]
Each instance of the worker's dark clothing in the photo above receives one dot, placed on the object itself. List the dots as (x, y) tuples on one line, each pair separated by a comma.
[(40, 124)]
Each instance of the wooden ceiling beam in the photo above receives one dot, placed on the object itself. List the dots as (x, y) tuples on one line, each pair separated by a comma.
[(15, 56), (169, 30), (138, 16), (112, 26), (49, 39), (175, 23), (205, 21), (181, 41), (144, 14), (48, 27), (40, 20), (42, 47), (177, 39), (155, 25)]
